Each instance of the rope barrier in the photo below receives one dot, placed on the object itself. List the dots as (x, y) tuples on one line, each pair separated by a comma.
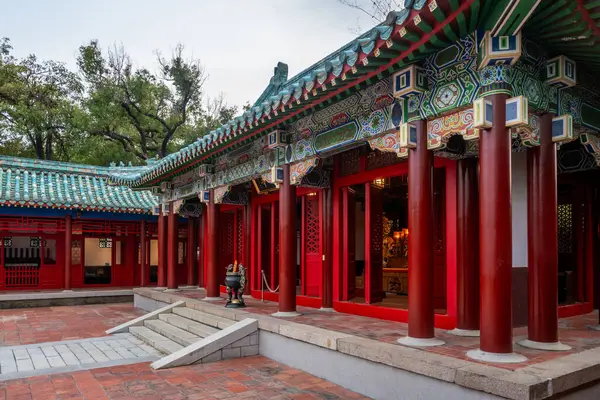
[(262, 286)]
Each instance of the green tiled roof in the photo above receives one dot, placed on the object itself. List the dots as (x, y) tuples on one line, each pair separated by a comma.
[(412, 32), (36, 183)]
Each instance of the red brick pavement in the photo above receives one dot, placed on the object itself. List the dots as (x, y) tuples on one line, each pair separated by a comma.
[(51, 324), (246, 378), (572, 331)]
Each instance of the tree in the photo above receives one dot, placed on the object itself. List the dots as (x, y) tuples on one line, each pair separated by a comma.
[(377, 10), (145, 113), (38, 101)]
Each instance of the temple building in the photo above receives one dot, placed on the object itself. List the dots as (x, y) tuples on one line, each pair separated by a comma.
[(63, 227), (441, 170)]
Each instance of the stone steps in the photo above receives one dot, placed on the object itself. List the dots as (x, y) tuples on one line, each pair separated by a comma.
[(171, 332), (187, 336), (189, 325), (203, 318), (156, 340)]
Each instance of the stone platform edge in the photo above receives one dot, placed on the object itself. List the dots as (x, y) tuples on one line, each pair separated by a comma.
[(21, 296), (539, 381)]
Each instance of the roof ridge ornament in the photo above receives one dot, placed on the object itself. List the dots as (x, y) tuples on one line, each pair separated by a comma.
[(279, 78)]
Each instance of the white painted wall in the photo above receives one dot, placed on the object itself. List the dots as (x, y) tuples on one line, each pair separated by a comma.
[(519, 209)]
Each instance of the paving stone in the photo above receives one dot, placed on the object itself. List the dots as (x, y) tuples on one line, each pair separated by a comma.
[(125, 353), (21, 354), (24, 365), (102, 346), (56, 362), (49, 351), (138, 352), (98, 356), (113, 355)]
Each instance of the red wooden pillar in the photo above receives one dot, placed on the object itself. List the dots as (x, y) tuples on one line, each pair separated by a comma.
[(192, 278), (172, 235), (327, 275), (495, 240), (68, 245), (143, 253), (420, 252), (287, 247), (162, 250), (200, 240), (212, 250), (542, 240), (467, 269)]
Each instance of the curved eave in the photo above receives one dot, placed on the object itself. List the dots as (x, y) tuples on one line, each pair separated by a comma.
[(39, 204), (406, 37), (568, 27)]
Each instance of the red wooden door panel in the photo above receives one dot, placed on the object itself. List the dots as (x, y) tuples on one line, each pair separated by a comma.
[(439, 258), (226, 243), (348, 243), (311, 244), (374, 244)]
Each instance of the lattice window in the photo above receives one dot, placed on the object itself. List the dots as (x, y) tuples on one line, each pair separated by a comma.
[(240, 235), (105, 243), (8, 241), (349, 162), (380, 159), (313, 234), (376, 230), (34, 242), (230, 238), (565, 228)]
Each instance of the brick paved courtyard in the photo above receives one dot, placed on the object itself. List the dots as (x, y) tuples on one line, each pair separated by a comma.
[(27, 333), (246, 378), (53, 324)]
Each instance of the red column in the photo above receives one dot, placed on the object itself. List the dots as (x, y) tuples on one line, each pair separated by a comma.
[(467, 269), (172, 235), (143, 253), (420, 252), (212, 250), (287, 247), (162, 251), (68, 244), (200, 241), (327, 276), (495, 239), (192, 278), (542, 239)]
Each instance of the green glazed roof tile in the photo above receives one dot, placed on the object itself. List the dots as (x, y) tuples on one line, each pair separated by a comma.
[(35, 183)]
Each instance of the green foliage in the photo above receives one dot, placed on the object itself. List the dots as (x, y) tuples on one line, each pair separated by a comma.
[(107, 110)]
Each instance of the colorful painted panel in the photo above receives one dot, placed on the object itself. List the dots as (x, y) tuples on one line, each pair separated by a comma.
[(439, 130), (300, 169), (336, 137)]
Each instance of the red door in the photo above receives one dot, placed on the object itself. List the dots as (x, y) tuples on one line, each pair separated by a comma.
[(312, 255), (226, 243), (439, 257), (348, 243), (373, 244)]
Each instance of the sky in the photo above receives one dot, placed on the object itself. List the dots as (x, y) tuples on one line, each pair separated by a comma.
[(239, 42)]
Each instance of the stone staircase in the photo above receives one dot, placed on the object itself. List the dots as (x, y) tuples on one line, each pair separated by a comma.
[(187, 336)]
